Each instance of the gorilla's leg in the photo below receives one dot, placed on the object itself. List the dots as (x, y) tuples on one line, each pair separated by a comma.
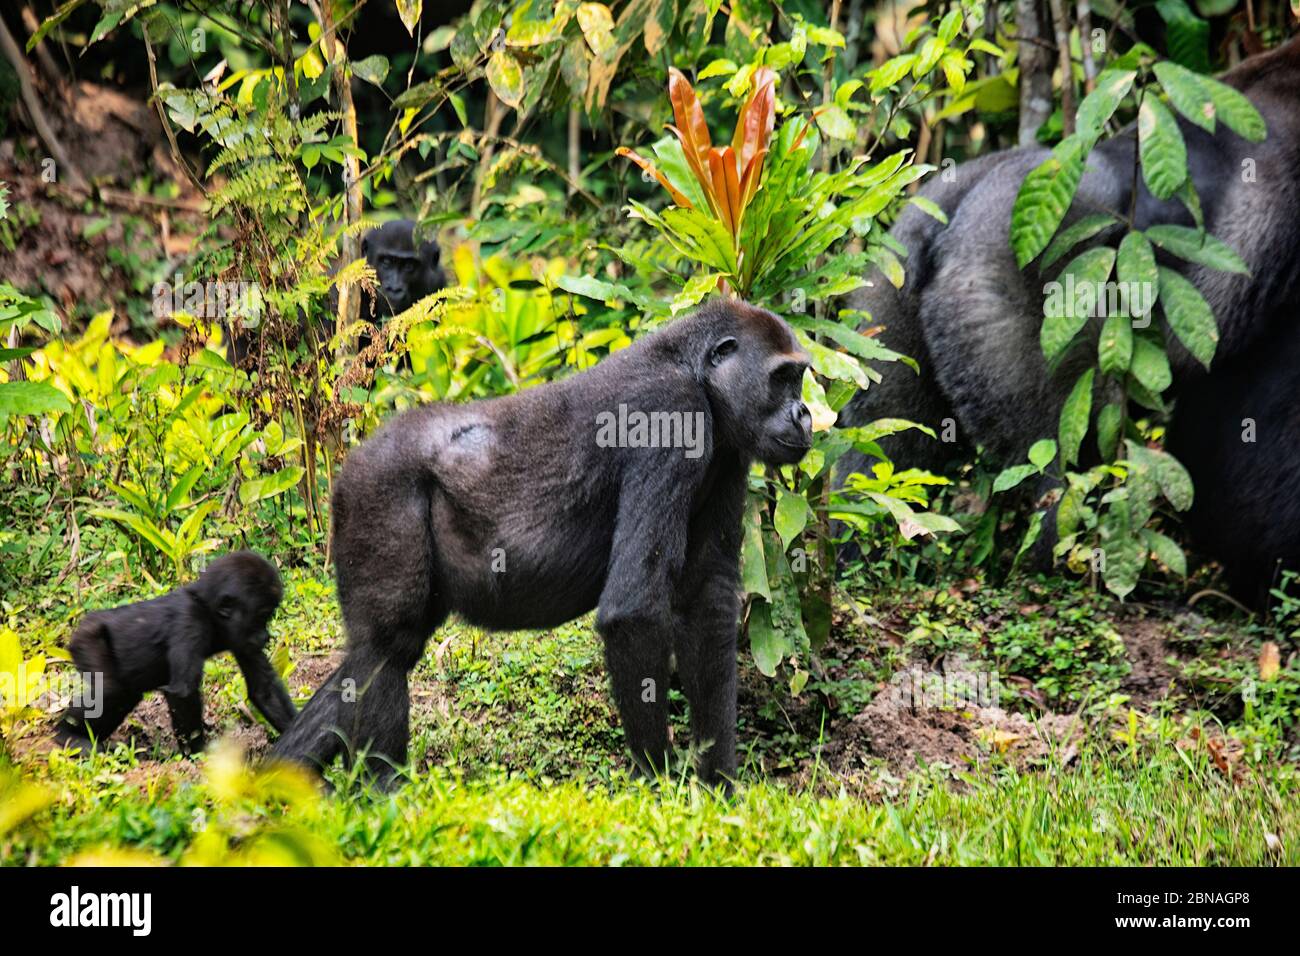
[(637, 661), (95, 718), (387, 585), (706, 661)]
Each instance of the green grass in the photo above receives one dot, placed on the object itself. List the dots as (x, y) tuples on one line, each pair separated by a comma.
[(517, 758), (1145, 807)]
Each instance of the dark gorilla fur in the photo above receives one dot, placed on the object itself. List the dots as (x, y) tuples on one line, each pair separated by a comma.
[(510, 513), (162, 644), (972, 319), (405, 275)]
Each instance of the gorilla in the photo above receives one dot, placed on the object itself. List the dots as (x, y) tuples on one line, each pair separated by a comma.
[(971, 318), (1238, 432), (405, 274), (620, 488), (163, 643)]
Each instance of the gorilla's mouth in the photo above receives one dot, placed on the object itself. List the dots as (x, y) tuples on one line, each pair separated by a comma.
[(800, 446)]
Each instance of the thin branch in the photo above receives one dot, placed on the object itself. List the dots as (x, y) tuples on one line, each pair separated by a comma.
[(33, 104)]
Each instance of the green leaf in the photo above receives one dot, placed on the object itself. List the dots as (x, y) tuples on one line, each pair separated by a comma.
[(836, 123), (271, 485), (1166, 551), (506, 78), (1108, 422), (373, 69), (753, 563), (1063, 319), (766, 643), (1072, 235), (161, 539), (1161, 146), (1189, 315), (1235, 111), (1135, 267), (1150, 365), (1100, 105), (790, 517), (183, 486), (1044, 198), (1187, 93), (1199, 247), (1115, 345), (31, 398), (1042, 452), (597, 25), (1010, 477), (1074, 418)]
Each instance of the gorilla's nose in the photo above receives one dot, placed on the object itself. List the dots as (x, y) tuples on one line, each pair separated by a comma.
[(802, 417)]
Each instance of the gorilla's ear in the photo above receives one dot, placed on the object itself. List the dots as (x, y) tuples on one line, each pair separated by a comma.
[(721, 350)]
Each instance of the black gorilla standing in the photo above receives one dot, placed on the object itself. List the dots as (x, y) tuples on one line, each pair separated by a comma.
[(529, 510), (972, 318), (163, 643)]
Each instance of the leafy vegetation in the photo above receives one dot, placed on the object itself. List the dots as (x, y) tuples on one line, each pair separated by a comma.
[(528, 138)]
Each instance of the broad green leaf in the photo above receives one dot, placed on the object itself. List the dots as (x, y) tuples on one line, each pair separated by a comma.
[(1074, 418), (1163, 152), (409, 11), (183, 486), (1072, 235), (1108, 422), (1100, 105), (597, 25), (766, 643), (1115, 345), (1010, 477), (1136, 268), (1187, 93), (753, 563), (790, 517), (1044, 198), (1189, 315), (1042, 452), (373, 69), (1166, 551), (271, 485), (31, 398), (1197, 246), (1235, 111), (1150, 365), (506, 77), (1063, 318), (159, 538)]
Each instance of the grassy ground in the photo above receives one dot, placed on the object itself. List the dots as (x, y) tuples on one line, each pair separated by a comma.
[(1119, 735)]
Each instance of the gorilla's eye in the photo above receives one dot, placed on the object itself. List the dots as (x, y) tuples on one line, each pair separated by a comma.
[(788, 375)]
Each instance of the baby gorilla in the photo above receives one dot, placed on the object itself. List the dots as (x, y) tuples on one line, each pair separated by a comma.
[(162, 644)]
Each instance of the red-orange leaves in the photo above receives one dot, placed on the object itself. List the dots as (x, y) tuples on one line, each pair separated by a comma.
[(729, 175), (653, 170)]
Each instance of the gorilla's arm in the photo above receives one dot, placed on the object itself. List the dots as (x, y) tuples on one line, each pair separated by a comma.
[(265, 689), (186, 652)]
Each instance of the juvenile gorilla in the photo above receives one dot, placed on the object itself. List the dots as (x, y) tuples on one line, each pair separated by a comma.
[(525, 512), (972, 318), (162, 644), (406, 275)]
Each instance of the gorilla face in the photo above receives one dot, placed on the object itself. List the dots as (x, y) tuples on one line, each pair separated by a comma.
[(242, 591), (755, 385), (406, 274)]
